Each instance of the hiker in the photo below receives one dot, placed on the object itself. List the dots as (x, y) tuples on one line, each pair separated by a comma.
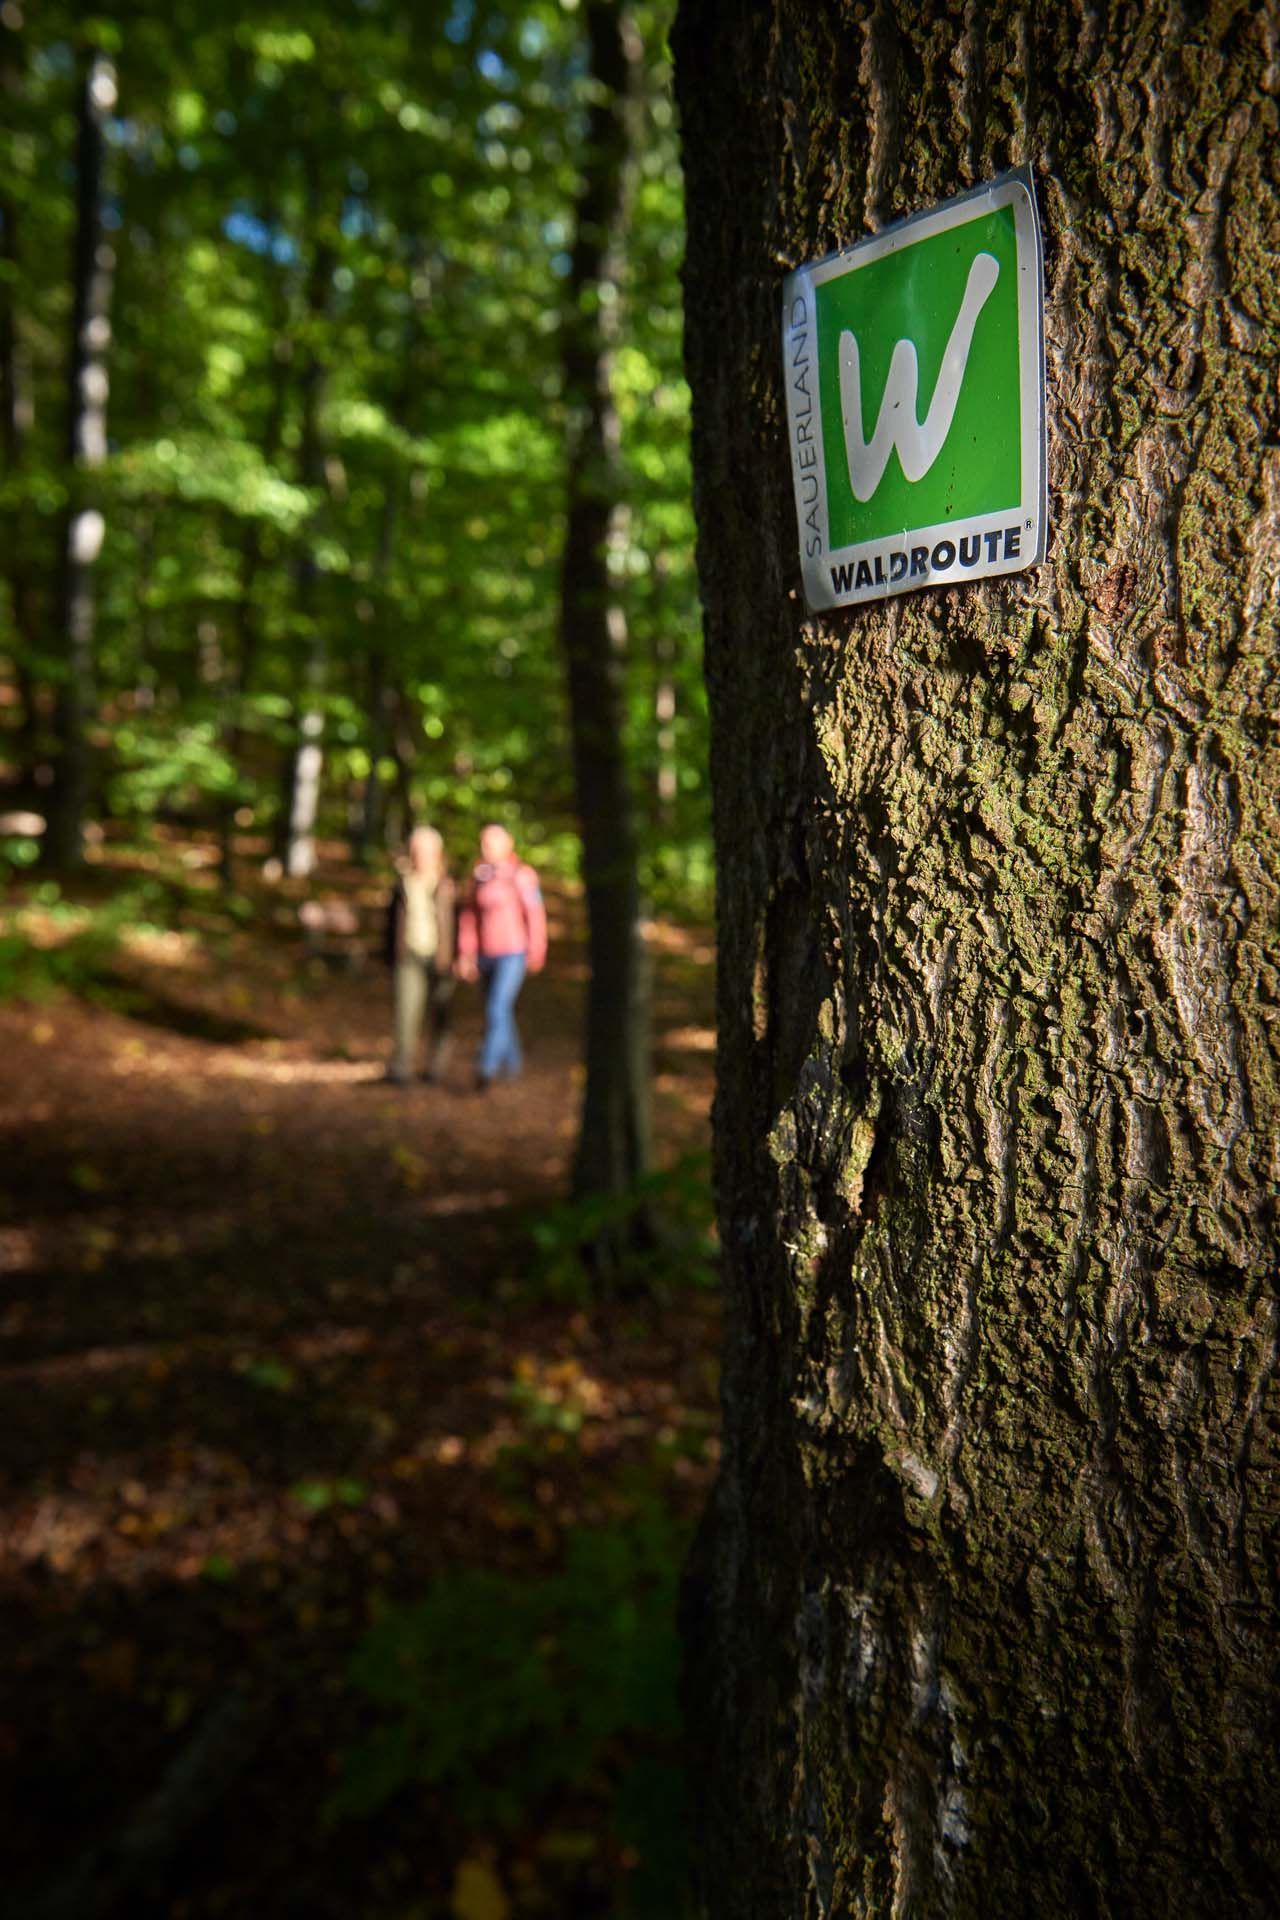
[(502, 932), (419, 948)]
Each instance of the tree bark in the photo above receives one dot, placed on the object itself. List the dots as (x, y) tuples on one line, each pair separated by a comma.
[(613, 1144), (384, 696), (17, 416), (247, 625), (93, 269), (306, 758), (981, 1620)]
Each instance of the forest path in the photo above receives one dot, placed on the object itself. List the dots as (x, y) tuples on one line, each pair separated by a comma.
[(276, 1346)]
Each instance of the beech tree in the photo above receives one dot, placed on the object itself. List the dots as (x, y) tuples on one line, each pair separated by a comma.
[(86, 450), (613, 1144), (332, 250), (982, 1615), (306, 757)]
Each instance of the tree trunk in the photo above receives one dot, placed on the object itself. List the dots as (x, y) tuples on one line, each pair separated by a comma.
[(16, 421), (93, 268), (384, 699), (367, 829), (613, 1145), (306, 759), (247, 624), (982, 1615)]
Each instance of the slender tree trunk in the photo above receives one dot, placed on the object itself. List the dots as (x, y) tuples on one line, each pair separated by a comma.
[(407, 743), (93, 269), (16, 420), (982, 1616), (233, 732), (247, 627), (368, 825), (306, 760), (386, 702), (613, 1145), (398, 804), (369, 816)]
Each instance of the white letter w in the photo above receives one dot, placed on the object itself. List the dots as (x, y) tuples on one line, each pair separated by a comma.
[(918, 444)]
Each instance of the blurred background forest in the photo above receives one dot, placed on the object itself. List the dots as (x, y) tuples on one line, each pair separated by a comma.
[(344, 486), (321, 263)]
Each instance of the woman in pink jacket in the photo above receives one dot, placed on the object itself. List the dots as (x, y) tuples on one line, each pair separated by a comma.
[(502, 932)]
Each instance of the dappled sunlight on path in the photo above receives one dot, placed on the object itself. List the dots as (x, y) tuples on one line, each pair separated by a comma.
[(279, 1345)]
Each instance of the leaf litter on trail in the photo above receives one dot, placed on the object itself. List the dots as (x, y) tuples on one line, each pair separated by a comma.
[(290, 1334)]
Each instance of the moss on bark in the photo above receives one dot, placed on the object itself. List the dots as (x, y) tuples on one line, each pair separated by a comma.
[(981, 1616)]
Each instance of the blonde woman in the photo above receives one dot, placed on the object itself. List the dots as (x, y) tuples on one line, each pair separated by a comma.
[(419, 949)]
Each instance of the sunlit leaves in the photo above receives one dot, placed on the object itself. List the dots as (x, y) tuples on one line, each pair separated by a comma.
[(203, 469), (432, 155)]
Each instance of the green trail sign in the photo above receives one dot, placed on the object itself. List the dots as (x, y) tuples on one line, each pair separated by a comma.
[(915, 400)]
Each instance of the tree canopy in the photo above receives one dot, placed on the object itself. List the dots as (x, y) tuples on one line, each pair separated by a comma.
[(334, 472)]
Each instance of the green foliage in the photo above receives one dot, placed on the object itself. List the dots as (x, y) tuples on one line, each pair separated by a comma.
[(503, 1695), (159, 768), (317, 1496), (205, 469), (17, 851), (374, 202), (270, 1373), (663, 1224), (80, 945)]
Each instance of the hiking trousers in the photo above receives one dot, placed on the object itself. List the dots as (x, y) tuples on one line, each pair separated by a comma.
[(420, 990)]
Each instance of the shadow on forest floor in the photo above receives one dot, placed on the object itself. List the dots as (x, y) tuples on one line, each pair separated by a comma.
[(171, 1015)]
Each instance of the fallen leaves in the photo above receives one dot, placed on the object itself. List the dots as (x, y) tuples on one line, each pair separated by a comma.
[(276, 1353)]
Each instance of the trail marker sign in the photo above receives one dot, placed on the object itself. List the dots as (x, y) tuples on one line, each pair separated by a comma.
[(915, 400)]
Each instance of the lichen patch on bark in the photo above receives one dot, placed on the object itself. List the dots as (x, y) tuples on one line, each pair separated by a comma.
[(981, 1619)]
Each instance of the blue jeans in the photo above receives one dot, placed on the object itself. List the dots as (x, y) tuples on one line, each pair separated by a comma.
[(503, 976)]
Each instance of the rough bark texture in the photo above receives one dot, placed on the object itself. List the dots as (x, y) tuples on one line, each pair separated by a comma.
[(613, 1145), (982, 1615), (82, 526)]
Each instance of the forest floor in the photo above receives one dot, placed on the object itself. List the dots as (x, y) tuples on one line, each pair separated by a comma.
[(285, 1348)]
